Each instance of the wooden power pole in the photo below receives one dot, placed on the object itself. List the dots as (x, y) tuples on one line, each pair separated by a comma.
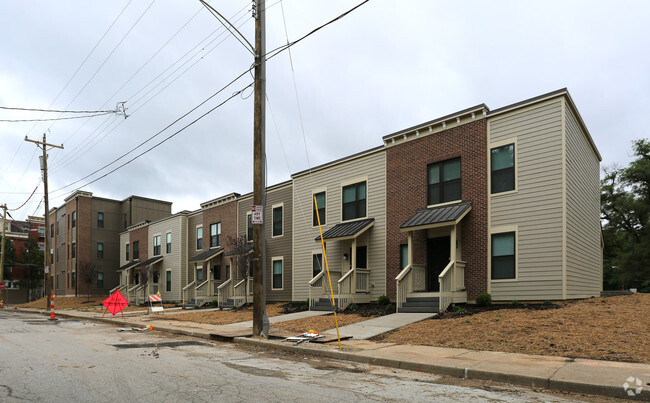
[(2, 248), (46, 267), (260, 321)]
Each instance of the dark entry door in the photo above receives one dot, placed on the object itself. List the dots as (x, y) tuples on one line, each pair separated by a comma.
[(438, 253)]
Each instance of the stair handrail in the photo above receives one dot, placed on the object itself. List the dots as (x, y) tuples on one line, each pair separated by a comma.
[(312, 284), (403, 279), (447, 285), (346, 283), (222, 295), (238, 296), (187, 287)]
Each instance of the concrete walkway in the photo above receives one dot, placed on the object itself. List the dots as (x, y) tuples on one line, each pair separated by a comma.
[(372, 327), (606, 378)]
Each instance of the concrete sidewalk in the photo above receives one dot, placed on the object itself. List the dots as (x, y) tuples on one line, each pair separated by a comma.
[(372, 327), (284, 318), (606, 378)]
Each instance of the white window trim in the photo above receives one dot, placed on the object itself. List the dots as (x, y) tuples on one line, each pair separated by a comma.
[(172, 241), (273, 207), (273, 260), (352, 182), (127, 245), (171, 280), (218, 226), (314, 193), (249, 213), (501, 230), (317, 252), (153, 237), (196, 230), (498, 144)]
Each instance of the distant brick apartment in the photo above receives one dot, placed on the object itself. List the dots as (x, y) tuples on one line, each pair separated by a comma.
[(85, 231)]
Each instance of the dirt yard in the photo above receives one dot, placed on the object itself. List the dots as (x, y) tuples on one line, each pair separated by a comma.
[(225, 317), (319, 323), (613, 328), (79, 304)]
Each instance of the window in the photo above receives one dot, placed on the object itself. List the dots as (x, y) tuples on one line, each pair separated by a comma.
[(156, 245), (503, 256), (100, 280), (74, 250), (277, 221), (362, 257), (41, 232), (354, 201), (502, 167), (444, 181), (215, 234), (100, 250), (57, 228), (403, 256), (199, 275), (249, 227), (320, 202), (74, 280), (51, 230), (227, 272), (216, 272), (277, 274), (127, 252), (168, 242), (100, 220), (199, 238), (74, 219), (316, 264), (168, 280), (136, 250), (156, 277), (124, 220)]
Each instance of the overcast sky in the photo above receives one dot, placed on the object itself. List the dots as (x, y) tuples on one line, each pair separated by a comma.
[(386, 66)]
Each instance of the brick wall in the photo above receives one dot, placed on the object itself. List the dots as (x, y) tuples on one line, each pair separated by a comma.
[(406, 192), (226, 214)]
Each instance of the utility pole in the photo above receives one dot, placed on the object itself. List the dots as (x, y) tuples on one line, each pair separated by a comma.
[(46, 256), (260, 321), (2, 248)]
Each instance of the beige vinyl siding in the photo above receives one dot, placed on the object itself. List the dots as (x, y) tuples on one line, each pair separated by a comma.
[(536, 207), (275, 246), (330, 178), (176, 261), (583, 263)]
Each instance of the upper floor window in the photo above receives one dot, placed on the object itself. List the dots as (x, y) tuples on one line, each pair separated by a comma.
[(127, 252), (100, 250), (74, 219), (444, 181), (156, 245), (100, 280), (41, 232), (168, 242), (354, 201), (125, 221), (74, 250), (199, 238), (249, 227), (319, 213), (51, 230), (503, 256), (100, 220), (502, 168), (136, 250), (277, 221), (215, 234)]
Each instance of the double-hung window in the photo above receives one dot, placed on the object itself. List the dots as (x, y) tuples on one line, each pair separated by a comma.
[(503, 256), (127, 251), (277, 273), (444, 181), (249, 227), (215, 234), (136, 250), (156, 245), (100, 280), (354, 201), (168, 242), (168, 280), (74, 250), (100, 250), (502, 168), (74, 219), (100, 220), (319, 209), (277, 221), (199, 238), (316, 264)]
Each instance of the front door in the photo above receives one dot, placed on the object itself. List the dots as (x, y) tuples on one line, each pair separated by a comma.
[(438, 254)]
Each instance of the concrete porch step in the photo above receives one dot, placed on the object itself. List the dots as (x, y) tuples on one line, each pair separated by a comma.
[(420, 305)]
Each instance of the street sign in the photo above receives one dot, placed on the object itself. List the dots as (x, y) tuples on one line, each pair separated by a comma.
[(257, 216)]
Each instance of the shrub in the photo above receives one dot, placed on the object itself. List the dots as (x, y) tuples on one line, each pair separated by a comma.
[(383, 300), (390, 307), (515, 303), (352, 307), (460, 310), (547, 302), (484, 299)]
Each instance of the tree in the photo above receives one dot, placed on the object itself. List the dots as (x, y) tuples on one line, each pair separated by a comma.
[(143, 276), (241, 249), (9, 258), (86, 273), (625, 209), (32, 258)]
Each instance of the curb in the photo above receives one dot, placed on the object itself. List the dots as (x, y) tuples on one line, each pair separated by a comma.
[(457, 372)]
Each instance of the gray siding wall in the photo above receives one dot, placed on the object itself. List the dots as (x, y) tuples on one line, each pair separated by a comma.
[(536, 207), (583, 261), (275, 247), (330, 179), (176, 261)]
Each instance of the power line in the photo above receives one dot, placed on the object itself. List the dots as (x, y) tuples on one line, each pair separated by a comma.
[(30, 196), (54, 119), (54, 110), (224, 21)]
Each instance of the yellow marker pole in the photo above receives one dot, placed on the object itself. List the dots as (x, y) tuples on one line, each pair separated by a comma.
[(322, 241)]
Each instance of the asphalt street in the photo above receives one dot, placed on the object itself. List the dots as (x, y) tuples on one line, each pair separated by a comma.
[(71, 360)]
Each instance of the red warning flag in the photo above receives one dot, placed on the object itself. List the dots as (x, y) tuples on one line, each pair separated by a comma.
[(115, 303)]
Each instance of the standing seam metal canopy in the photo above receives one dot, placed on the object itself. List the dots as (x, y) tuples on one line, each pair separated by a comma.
[(437, 215)]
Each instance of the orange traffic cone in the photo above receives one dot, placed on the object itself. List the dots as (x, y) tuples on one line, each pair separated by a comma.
[(2, 302), (52, 317)]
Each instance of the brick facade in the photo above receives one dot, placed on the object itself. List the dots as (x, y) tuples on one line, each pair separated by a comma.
[(406, 192), (226, 214)]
